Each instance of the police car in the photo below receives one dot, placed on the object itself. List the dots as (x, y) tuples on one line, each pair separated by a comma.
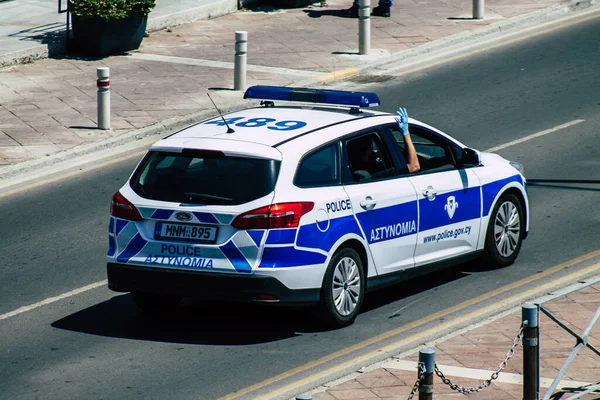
[(267, 205)]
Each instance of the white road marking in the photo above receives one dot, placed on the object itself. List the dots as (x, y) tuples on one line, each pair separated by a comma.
[(223, 64), (51, 300), (535, 135), (479, 374)]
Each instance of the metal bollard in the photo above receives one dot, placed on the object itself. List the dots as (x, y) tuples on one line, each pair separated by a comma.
[(241, 48), (364, 26), (103, 97), (531, 352), (427, 358), (478, 6)]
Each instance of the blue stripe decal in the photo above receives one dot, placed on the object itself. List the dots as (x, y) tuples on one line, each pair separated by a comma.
[(236, 257), (284, 257), (310, 235), (281, 236), (135, 245), (450, 208), (162, 214), (207, 218), (111, 224), (111, 246), (256, 236), (490, 191), (121, 223), (401, 217)]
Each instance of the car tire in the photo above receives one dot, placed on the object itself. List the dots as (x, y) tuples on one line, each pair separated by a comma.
[(505, 231), (155, 302), (343, 289)]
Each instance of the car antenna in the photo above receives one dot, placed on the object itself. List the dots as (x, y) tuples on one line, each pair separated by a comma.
[(229, 130)]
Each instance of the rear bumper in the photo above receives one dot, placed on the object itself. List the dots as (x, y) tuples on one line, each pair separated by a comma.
[(217, 286)]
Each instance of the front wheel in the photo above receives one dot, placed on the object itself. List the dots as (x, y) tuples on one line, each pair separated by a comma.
[(343, 289), (505, 231)]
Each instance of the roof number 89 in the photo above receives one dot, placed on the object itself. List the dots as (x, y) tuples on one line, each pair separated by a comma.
[(271, 123)]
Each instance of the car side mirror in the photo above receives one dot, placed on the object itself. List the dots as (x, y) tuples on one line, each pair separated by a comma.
[(470, 158)]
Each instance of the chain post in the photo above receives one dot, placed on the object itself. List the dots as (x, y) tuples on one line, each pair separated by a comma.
[(420, 372), (531, 352), (427, 358)]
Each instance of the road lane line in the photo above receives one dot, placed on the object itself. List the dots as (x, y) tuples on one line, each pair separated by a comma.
[(223, 64), (535, 135), (54, 299), (409, 326), (395, 346)]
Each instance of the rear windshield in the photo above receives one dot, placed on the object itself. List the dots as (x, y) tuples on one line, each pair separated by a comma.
[(204, 177)]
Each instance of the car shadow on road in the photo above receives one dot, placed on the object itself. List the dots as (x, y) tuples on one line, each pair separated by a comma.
[(192, 322), (197, 322)]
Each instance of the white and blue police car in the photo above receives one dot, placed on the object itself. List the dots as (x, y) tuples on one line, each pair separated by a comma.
[(268, 205)]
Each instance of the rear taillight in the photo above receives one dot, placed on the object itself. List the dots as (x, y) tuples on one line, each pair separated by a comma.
[(120, 207), (276, 216)]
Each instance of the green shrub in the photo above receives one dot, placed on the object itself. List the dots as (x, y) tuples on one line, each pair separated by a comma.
[(110, 9)]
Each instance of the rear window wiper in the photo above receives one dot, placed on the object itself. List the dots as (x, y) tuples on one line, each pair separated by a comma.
[(192, 197)]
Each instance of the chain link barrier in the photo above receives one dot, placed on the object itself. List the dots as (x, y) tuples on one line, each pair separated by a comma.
[(420, 376), (487, 382)]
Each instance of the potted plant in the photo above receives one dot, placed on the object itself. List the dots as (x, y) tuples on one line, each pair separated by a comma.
[(105, 27)]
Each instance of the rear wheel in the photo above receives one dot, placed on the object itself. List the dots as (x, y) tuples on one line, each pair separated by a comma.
[(343, 289), (155, 302), (505, 231)]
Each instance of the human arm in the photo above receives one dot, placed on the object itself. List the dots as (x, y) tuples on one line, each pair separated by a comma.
[(412, 161)]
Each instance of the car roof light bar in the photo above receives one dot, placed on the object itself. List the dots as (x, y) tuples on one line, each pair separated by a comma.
[(304, 95)]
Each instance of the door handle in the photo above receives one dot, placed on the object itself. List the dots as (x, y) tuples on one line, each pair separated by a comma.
[(430, 193), (368, 203)]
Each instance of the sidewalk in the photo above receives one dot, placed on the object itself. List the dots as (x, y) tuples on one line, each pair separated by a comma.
[(31, 29), (48, 107), (469, 358)]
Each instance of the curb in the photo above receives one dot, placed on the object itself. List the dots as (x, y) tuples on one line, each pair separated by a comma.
[(192, 15)]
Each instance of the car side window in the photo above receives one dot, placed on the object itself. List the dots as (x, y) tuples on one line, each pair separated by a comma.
[(368, 158), (433, 151), (319, 168)]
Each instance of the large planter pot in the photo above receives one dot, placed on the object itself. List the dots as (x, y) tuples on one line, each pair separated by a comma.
[(100, 38)]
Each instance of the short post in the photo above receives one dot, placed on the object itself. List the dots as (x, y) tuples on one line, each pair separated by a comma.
[(478, 6), (103, 98), (427, 359), (531, 352), (364, 26), (241, 48)]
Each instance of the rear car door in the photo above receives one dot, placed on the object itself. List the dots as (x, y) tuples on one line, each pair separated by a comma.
[(449, 198), (383, 201)]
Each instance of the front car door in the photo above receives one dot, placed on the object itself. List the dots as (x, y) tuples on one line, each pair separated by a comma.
[(449, 197), (383, 201)]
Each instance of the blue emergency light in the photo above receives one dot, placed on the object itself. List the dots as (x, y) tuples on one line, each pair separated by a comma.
[(322, 96)]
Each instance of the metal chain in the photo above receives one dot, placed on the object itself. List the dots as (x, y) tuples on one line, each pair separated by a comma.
[(420, 376), (487, 382)]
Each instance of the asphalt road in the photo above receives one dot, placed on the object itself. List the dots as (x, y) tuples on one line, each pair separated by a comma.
[(97, 345)]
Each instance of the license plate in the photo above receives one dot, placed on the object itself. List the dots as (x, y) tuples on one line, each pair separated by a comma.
[(186, 232)]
